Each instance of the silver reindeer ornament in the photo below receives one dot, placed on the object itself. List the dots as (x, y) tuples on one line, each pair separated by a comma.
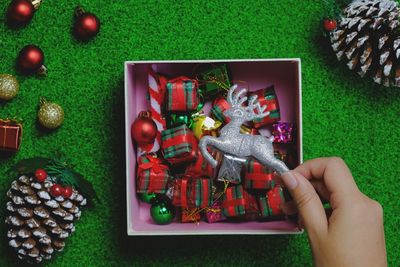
[(232, 142)]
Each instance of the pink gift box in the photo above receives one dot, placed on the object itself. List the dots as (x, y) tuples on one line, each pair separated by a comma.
[(284, 74)]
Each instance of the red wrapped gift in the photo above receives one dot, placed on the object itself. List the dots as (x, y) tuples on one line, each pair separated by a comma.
[(219, 105), (179, 145), (152, 175), (270, 203), (234, 202), (191, 193), (190, 215), (10, 135), (258, 176), (182, 95), (267, 97), (200, 167)]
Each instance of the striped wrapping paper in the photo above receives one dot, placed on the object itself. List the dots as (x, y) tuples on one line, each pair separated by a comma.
[(152, 175), (192, 193), (182, 95), (270, 202), (258, 176), (267, 97)]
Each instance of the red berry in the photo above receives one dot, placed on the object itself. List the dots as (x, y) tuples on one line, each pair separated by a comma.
[(330, 24), (40, 175), (56, 190), (67, 192)]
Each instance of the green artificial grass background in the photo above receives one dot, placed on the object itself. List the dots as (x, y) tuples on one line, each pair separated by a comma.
[(343, 116)]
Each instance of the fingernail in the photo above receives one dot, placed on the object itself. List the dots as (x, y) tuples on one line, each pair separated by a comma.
[(289, 180)]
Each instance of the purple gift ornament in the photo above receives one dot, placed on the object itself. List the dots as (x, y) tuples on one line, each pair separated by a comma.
[(282, 132), (214, 213)]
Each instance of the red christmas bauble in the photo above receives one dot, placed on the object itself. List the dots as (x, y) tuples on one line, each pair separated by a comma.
[(86, 25), (20, 12), (67, 192), (144, 130), (330, 24), (30, 59), (56, 190), (40, 175)]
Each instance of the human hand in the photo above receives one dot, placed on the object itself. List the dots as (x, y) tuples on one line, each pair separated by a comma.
[(353, 234)]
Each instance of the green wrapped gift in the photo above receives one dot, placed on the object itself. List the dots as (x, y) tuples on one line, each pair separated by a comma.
[(214, 81)]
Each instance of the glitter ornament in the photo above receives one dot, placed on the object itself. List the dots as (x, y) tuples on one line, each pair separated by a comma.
[(50, 115), (232, 142), (9, 86)]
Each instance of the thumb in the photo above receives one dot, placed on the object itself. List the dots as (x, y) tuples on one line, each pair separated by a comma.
[(308, 203)]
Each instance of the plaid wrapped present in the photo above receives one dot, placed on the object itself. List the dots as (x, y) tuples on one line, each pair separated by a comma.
[(182, 95), (219, 105), (190, 215), (179, 145), (214, 213), (191, 193), (10, 135), (267, 97), (258, 176), (270, 202), (234, 202), (214, 81), (200, 167), (152, 175)]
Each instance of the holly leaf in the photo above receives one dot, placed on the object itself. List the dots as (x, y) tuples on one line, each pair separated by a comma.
[(77, 180), (26, 166)]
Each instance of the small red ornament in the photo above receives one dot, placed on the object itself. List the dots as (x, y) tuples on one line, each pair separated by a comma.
[(30, 60), (56, 190), (144, 129), (40, 175), (86, 25), (67, 192), (330, 24), (20, 12)]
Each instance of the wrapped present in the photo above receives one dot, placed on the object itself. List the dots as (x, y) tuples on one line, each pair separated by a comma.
[(219, 105), (152, 175), (182, 95), (234, 202), (201, 167), (267, 97), (215, 81), (214, 213), (204, 125), (231, 169), (191, 193), (10, 135), (244, 129), (258, 176), (282, 132), (179, 145), (270, 203), (280, 155), (190, 215)]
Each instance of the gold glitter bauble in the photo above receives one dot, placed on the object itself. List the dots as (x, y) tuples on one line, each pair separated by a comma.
[(50, 115), (9, 86)]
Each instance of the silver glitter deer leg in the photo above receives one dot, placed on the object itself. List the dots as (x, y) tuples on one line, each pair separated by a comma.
[(209, 141), (263, 152)]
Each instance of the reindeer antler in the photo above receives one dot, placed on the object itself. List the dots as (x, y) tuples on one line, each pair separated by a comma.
[(236, 100), (256, 105)]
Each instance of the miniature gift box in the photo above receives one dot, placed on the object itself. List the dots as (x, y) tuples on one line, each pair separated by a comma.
[(182, 95), (270, 203), (10, 135), (215, 81), (153, 175), (190, 215), (267, 97), (234, 201), (219, 105), (200, 167), (214, 213), (257, 176), (179, 145), (192, 193), (285, 74)]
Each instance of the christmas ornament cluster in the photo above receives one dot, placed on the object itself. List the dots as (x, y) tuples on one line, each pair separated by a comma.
[(43, 205), (174, 176), (366, 35)]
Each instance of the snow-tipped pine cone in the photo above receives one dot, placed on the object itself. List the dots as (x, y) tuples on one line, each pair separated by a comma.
[(368, 38), (38, 223)]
